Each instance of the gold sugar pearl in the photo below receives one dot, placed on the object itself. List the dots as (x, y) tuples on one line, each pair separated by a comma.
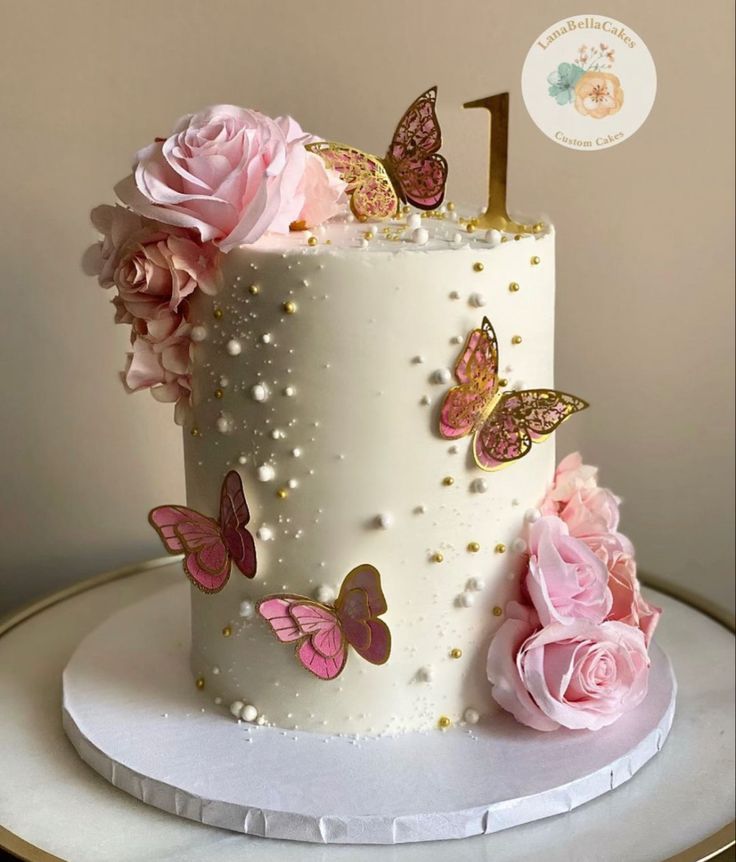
[(450, 206), (282, 493), (195, 432), (473, 547), (443, 722), (312, 241), (504, 238), (456, 652), (497, 611), (254, 289), (535, 261), (448, 480), (288, 307), (219, 393), (199, 682), (502, 381), (516, 339), (368, 235), (478, 267), (437, 557), (227, 631), (406, 209), (500, 548), (217, 313), (470, 227), (514, 287), (517, 237), (538, 227)]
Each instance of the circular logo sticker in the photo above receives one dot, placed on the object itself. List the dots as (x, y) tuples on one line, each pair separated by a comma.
[(589, 82)]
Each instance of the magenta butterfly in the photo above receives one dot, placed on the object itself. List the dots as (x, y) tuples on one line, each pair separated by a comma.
[(503, 424), (322, 632), (210, 546), (412, 170)]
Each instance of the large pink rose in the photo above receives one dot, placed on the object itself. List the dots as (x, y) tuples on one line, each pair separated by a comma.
[(153, 266), (231, 174), (565, 580), (582, 676), (629, 606), (571, 475)]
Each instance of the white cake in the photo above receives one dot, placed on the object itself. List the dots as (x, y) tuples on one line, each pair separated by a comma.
[(318, 371)]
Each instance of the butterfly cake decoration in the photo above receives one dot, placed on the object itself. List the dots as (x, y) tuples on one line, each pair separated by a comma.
[(503, 424), (412, 171), (322, 632), (210, 546)]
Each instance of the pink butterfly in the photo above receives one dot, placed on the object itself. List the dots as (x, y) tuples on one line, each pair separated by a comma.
[(210, 546), (322, 632), (412, 171), (503, 424)]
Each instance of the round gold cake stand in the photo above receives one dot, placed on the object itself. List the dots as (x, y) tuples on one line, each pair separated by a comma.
[(716, 846)]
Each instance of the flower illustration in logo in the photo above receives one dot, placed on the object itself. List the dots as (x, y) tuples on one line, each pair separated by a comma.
[(586, 84), (598, 95)]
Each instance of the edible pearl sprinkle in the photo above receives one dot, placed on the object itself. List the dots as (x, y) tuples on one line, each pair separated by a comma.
[(516, 339), (289, 391), (513, 287), (246, 609), (264, 533), (471, 716), (518, 546), (437, 557), (234, 347), (195, 432), (420, 236), (475, 584), (312, 241), (289, 307), (226, 632), (249, 712), (282, 493), (199, 682), (448, 480), (242, 459), (473, 547), (199, 333), (479, 486), (443, 722), (414, 221), (266, 473), (456, 652), (478, 300), (532, 515), (384, 520), (236, 707), (535, 261), (218, 393), (224, 424), (493, 237), (254, 289), (324, 594), (259, 392), (217, 313), (425, 674), (500, 548), (497, 611), (296, 452), (266, 338), (467, 599), (442, 375), (457, 238), (478, 267)]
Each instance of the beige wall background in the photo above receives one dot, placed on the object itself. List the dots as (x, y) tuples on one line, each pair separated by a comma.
[(645, 254)]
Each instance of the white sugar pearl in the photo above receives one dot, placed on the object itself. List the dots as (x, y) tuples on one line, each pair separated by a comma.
[(372, 229), (475, 584), (266, 473), (234, 347), (246, 609), (478, 300), (277, 434), (532, 515), (236, 707), (518, 546), (456, 339), (442, 375), (471, 716), (296, 452), (266, 338), (425, 400), (324, 594), (249, 713), (384, 520), (265, 533), (454, 294), (414, 221), (216, 670), (362, 242), (453, 216), (224, 424), (289, 391), (224, 382), (479, 486), (467, 599), (259, 392), (242, 459), (425, 674), (419, 360), (199, 333), (420, 236), (218, 701), (261, 720), (292, 483), (457, 239), (493, 237)]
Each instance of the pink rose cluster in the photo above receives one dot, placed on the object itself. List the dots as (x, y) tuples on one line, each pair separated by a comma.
[(224, 177), (574, 652)]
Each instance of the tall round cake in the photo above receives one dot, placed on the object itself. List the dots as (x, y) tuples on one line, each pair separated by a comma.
[(318, 373)]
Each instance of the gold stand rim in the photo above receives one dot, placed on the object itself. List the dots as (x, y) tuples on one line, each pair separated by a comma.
[(709, 848)]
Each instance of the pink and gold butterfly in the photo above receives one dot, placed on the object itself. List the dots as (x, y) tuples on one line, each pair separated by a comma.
[(323, 632), (210, 546), (503, 424), (412, 171)]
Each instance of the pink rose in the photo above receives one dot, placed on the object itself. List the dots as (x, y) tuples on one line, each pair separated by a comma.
[(153, 266), (571, 475), (581, 676), (565, 580), (629, 606), (230, 173)]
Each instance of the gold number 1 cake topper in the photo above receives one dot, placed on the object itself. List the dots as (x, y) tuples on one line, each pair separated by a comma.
[(496, 215)]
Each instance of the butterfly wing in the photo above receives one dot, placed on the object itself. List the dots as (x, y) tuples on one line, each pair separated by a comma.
[(182, 530), (360, 602), (321, 646), (520, 419), (372, 194), (477, 373), (234, 515), (420, 172)]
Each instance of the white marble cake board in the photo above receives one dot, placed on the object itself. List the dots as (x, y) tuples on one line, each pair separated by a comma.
[(134, 715)]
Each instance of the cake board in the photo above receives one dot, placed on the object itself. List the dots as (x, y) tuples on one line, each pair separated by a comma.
[(133, 714)]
